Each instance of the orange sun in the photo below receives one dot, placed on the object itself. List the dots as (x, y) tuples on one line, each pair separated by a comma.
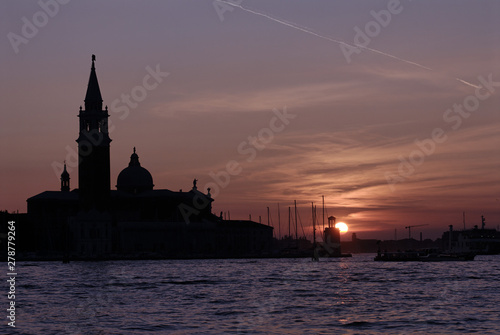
[(342, 227)]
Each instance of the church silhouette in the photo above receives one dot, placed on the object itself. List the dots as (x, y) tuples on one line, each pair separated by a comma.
[(135, 221)]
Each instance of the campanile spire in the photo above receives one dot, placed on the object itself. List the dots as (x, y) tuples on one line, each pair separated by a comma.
[(93, 98)]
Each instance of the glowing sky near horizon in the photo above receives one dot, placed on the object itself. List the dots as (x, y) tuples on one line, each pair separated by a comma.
[(355, 123)]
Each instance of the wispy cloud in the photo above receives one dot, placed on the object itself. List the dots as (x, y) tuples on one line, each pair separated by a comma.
[(348, 167)]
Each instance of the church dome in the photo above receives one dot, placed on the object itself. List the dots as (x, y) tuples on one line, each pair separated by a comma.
[(134, 178)]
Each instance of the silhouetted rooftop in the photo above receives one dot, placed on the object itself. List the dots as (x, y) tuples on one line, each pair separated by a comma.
[(56, 195), (244, 223)]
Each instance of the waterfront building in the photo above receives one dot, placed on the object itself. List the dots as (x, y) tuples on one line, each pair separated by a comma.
[(135, 220)]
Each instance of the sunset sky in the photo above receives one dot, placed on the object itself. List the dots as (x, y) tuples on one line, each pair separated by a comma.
[(401, 129)]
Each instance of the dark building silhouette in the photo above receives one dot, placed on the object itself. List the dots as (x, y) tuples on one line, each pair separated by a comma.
[(135, 220)]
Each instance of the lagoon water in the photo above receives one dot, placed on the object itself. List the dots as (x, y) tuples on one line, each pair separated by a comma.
[(258, 296)]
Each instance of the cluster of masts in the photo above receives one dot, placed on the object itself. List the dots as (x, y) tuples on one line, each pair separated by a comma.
[(293, 220)]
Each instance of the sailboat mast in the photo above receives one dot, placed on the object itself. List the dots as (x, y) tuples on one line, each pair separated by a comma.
[(268, 216), (289, 216), (314, 224), (323, 211), (279, 221), (296, 227)]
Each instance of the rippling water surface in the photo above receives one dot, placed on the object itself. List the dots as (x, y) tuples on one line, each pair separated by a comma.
[(265, 296)]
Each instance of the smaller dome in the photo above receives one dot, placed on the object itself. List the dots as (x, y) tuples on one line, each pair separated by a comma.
[(134, 178)]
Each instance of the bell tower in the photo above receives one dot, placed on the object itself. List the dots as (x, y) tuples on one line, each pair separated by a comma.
[(93, 149), (65, 180)]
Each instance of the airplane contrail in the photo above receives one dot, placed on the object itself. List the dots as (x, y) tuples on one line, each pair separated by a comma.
[(467, 83), (309, 31)]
